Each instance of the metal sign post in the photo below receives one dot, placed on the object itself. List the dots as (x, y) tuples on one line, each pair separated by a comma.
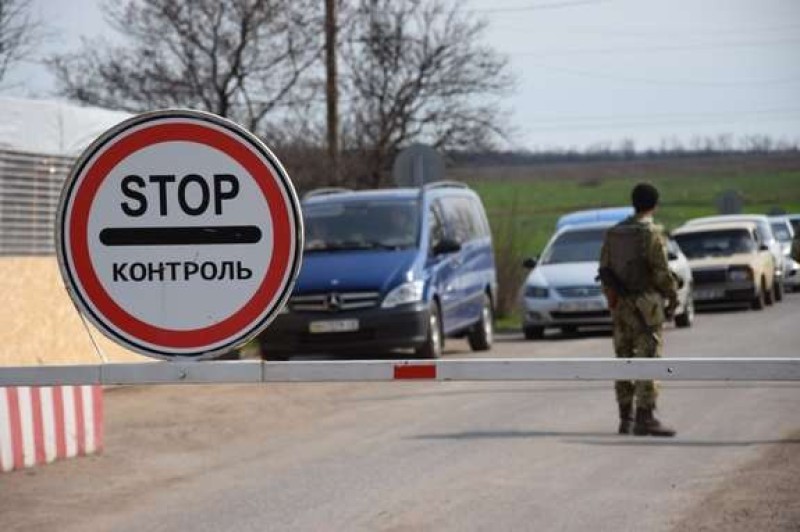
[(417, 165), (179, 234)]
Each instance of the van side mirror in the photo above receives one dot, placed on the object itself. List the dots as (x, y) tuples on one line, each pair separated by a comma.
[(446, 245), (530, 262), (763, 247)]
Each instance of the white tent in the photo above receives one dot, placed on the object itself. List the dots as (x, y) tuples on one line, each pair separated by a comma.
[(51, 126)]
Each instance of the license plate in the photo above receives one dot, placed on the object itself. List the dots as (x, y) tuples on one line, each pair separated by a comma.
[(578, 306), (333, 326), (709, 293)]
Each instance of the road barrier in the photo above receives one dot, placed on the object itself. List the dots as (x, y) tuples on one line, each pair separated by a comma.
[(242, 372), (39, 425)]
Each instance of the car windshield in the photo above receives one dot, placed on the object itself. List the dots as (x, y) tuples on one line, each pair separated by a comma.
[(722, 243), (781, 232), (349, 225), (575, 246)]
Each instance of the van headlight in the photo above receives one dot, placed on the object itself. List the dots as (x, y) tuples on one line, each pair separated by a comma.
[(410, 292)]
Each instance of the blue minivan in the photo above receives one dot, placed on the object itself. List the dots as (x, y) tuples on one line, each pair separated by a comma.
[(389, 269)]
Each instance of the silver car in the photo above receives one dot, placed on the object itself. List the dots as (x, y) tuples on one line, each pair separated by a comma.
[(784, 233), (562, 291)]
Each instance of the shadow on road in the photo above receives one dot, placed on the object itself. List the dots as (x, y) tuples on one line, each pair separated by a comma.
[(678, 442), (502, 434), (608, 439)]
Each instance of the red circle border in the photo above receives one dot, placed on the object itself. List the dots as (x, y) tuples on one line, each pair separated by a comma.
[(283, 235)]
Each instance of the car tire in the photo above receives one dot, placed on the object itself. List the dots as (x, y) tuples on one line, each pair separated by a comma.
[(481, 335), (758, 302), (434, 339), (778, 291), (686, 318), (533, 333)]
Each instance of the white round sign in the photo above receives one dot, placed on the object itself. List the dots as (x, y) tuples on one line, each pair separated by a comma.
[(179, 234)]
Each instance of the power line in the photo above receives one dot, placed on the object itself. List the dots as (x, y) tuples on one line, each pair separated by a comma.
[(648, 49), (651, 32), (661, 82)]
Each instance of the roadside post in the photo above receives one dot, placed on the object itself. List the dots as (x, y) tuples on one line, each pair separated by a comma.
[(417, 165)]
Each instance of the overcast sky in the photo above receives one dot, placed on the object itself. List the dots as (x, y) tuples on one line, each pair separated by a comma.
[(597, 71)]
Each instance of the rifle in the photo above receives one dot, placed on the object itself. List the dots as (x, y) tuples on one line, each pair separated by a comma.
[(610, 279)]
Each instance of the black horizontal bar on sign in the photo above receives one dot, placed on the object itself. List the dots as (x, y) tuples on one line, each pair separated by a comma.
[(180, 236)]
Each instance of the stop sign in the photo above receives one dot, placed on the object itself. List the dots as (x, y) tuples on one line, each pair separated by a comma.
[(179, 234)]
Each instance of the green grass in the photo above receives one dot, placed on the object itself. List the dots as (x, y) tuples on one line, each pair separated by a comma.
[(539, 203)]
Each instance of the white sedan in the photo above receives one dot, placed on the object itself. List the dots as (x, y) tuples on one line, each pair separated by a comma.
[(562, 289)]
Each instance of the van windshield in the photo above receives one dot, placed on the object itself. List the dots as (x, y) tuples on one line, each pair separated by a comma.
[(575, 246), (722, 243), (373, 224)]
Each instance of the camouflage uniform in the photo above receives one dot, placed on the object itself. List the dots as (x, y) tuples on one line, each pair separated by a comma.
[(649, 278)]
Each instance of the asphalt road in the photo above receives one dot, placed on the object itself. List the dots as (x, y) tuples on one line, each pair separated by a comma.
[(442, 456)]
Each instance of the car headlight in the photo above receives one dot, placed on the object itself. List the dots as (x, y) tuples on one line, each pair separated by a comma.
[(410, 292), (538, 292), (740, 274)]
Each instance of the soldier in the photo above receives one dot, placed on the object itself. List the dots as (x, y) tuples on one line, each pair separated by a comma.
[(636, 281)]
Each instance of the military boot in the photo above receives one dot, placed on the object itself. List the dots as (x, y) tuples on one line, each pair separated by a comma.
[(647, 425), (625, 419)]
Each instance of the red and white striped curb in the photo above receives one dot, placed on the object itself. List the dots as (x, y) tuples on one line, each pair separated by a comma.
[(41, 424)]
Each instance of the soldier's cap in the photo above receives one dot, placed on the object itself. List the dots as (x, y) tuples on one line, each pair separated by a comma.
[(644, 197)]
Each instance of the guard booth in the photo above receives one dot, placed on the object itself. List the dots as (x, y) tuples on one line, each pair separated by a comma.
[(39, 141)]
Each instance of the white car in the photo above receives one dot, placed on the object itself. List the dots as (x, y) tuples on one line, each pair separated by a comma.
[(784, 233), (562, 289), (765, 238)]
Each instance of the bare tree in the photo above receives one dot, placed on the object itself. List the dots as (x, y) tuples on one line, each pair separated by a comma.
[(20, 32), (417, 71), (241, 59)]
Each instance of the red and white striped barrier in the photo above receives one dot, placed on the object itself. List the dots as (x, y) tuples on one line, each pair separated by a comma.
[(40, 424)]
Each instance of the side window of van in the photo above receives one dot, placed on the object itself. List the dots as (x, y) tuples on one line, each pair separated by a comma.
[(459, 214), (436, 226), (479, 220)]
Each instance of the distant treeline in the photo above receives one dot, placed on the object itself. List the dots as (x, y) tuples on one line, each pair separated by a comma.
[(528, 158)]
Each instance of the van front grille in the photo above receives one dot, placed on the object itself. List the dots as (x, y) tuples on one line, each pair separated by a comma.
[(334, 301)]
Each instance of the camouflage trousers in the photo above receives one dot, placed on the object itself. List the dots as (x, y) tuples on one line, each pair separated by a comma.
[(631, 340)]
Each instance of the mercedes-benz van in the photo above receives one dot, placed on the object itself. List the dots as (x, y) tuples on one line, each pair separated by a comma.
[(389, 269)]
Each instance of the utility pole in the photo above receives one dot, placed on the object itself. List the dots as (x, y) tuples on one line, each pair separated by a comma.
[(331, 91)]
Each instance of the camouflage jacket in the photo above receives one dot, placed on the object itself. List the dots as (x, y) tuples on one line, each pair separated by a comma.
[(660, 284)]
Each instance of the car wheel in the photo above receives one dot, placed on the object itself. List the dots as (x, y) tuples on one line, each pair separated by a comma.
[(686, 318), (778, 289), (533, 333), (432, 348), (482, 333), (758, 301)]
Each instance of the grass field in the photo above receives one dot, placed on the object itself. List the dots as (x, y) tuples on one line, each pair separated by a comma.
[(524, 203)]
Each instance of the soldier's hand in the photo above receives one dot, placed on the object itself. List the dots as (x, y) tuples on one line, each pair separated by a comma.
[(670, 308)]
